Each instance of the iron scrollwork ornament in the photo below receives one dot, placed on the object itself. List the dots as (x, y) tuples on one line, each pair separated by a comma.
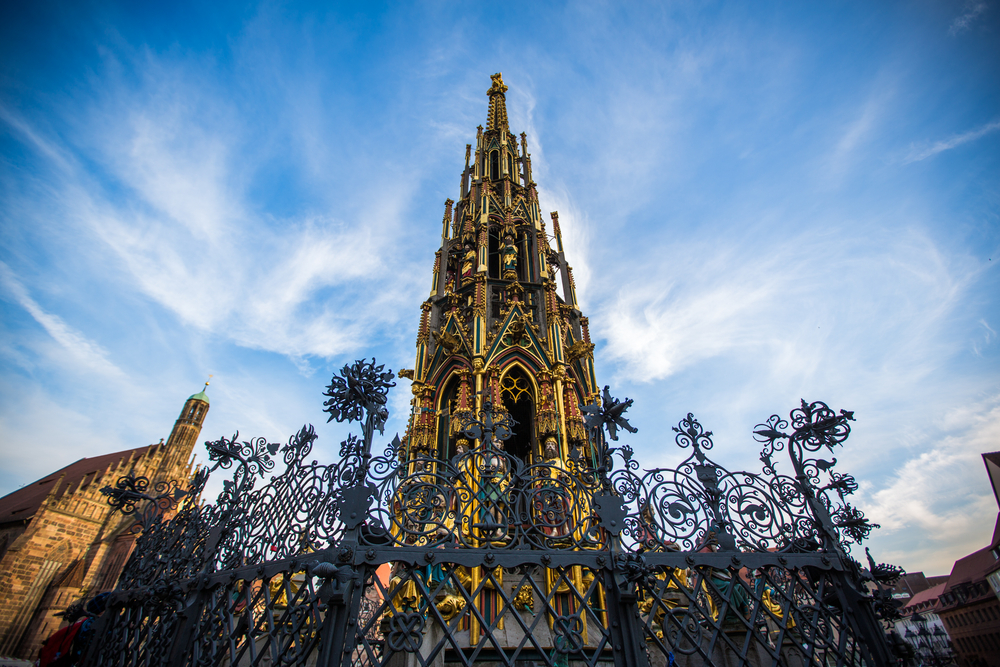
[(133, 495), (274, 547)]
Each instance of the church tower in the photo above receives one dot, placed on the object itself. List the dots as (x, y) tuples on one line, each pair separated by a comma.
[(186, 429), (495, 326), (60, 541)]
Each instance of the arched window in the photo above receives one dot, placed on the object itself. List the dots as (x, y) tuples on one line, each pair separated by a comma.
[(495, 165), (518, 400), (525, 258), (445, 440), (494, 252), (510, 167)]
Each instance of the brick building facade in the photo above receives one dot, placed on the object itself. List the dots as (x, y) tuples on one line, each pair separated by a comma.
[(970, 610), (59, 540)]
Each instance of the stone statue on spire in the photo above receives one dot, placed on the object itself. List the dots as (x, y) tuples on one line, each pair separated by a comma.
[(498, 86)]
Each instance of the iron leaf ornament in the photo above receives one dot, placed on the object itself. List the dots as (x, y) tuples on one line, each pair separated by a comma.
[(359, 389), (609, 415), (253, 455), (490, 427)]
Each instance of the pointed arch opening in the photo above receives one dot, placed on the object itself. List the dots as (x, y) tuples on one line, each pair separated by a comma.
[(494, 251), (524, 261), (518, 396), (446, 441), (494, 165)]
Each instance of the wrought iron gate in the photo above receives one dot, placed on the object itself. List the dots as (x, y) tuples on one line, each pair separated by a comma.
[(399, 559)]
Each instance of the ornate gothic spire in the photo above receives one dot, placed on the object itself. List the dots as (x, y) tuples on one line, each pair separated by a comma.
[(496, 118), (495, 327)]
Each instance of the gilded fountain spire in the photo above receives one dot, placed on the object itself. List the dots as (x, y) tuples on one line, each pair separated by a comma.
[(502, 321)]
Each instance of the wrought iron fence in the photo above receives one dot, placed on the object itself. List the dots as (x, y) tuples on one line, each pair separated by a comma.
[(391, 558)]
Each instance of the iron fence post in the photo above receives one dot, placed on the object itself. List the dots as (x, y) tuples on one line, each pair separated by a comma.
[(628, 643), (101, 627), (192, 613), (333, 650), (856, 606), (862, 617)]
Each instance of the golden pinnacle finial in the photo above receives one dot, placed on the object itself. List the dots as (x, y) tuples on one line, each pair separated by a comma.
[(496, 117), (498, 86)]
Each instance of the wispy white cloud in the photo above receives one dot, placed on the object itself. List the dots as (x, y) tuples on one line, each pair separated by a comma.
[(717, 297), (979, 346), (971, 11), (32, 416), (85, 352), (918, 154), (45, 147), (858, 128), (188, 235), (939, 504)]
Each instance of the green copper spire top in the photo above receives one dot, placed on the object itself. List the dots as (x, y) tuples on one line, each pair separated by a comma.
[(201, 395)]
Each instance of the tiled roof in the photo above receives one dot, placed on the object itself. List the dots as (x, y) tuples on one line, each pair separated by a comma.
[(973, 567), (23, 503), (925, 596)]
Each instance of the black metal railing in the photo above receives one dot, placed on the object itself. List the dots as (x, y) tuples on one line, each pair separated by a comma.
[(392, 558)]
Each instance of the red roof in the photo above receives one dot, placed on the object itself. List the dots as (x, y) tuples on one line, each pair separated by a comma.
[(23, 503), (973, 567), (925, 596)]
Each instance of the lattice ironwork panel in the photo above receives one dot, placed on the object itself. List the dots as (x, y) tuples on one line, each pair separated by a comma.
[(446, 613), (730, 615)]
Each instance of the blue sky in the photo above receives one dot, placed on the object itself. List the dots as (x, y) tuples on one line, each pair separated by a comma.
[(762, 202)]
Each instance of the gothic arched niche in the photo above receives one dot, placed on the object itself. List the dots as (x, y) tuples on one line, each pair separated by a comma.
[(524, 261), (518, 396), (494, 165), (494, 251), (446, 415)]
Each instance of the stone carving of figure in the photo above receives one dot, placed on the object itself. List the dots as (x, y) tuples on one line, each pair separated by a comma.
[(553, 503), (468, 263), (509, 253), (493, 477), (465, 490)]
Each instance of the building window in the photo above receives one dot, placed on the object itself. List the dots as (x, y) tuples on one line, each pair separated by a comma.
[(447, 438)]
